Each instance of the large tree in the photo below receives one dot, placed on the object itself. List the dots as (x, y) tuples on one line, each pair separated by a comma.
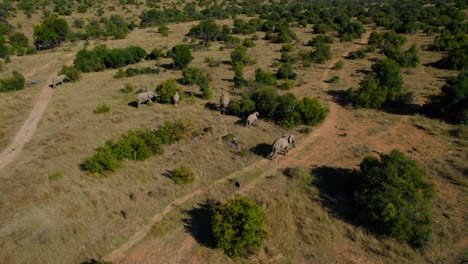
[(207, 31), (50, 33)]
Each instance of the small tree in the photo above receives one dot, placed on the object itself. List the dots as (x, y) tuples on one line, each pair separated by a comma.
[(182, 175), (370, 95), (394, 198), (389, 76), (181, 56), (286, 71), (239, 55), (16, 82), (238, 226), (51, 33), (264, 77), (207, 30)]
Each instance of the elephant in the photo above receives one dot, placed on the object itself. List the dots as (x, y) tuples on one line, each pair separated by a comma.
[(59, 80), (281, 145), (32, 83), (144, 97), (293, 139), (176, 98), (224, 102), (252, 119)]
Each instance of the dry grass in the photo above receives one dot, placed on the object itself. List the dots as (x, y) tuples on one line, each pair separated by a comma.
[(82, 216)]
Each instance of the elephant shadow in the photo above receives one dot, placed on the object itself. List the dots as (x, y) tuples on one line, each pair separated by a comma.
[(211, 106), (198, 223), (240, 122), (261, 149), (133, 104)]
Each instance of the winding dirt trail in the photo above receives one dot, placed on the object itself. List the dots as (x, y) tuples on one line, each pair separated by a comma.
[(326, 127), (29, 126)]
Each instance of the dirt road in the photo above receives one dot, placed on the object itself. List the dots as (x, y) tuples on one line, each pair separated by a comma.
[(29, 126), (118, 254)]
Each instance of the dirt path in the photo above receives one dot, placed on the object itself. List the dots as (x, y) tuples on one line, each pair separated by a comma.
[(29, 126), (327, 127)]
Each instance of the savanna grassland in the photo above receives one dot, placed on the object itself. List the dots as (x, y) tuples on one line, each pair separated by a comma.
[(53, 209)]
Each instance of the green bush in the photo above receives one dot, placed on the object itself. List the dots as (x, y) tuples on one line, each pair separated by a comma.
[(155, 54), (103, 160), (286, 71), (394, 198), (242, 108), (321, 54), (338, 65), (287, 85), (131, 147), (312, 112), (128, 88), (452, 103), (182, 175), (389, 76), (152, 140), (358, 54), (238, 226), (370, 94), (130, 72), (239, 55), (163, 30), (51, 33), (181, 56), (170, 133), (193, 75), (320, 40), (166, 90), (14, 83), (71, 72), (103, 108), (264, 77), (286, 112), (101, 58), (206, 92), (55, 176)]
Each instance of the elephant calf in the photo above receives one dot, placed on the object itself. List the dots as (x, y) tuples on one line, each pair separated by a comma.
[(144, 97), (281, 145), (224, 101), (59, 80), (252, 119)]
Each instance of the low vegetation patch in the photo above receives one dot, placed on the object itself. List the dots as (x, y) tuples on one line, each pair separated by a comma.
[(55, 176), (14, 83), (135, 145), (103, 108), (182, 175), (239, 226)]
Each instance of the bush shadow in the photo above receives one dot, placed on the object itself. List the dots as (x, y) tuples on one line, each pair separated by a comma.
[(339, 97), (403, 109), (336, 187), (168, 174), (198, 224), (261, 149)]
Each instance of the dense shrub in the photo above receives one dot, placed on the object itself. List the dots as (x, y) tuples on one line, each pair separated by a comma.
[(116, 26), (238, 226), (101, 58), (155, 54), (193, 75), (238, 79), (239, 55), (370, 94), (321, 54), (71, 72), (456, 58), (181, 56), (135, 145), (287, 85), (205, 91), (358, 54), (163, 30), (452, 103), (286, 112), (207, 30), (182, 175), (389, 76), (242, 108), (130, 72), (338, 65), (14, 83), (393, 197), (166, 90), (408, 58), (352, 30), (286, 71), (320, 40), (51, 33), (264, 77)]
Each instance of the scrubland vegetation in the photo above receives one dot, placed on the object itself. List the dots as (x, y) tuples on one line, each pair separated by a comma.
[(349, 79)]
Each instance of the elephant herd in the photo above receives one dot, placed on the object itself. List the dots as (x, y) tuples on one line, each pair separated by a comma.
[(281, 145)]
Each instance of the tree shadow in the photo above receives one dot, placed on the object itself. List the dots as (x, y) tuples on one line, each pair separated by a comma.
[(336, 186), (199, 224), (403, 109), (167, 66), (261, 149), (339, 97)]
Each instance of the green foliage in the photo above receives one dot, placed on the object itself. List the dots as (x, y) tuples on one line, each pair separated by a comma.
[(248, 43), (238, 226), (239, 80), (320, 40), (287, 85), (242, 108), (338, 65), (389, 77), (245, 28), (352, 30), (281, 33), (101, 58), (333, 79), (116, 26), (358, 54), (311, 111), (166, 90), (181, 56), (55, 176), (287, 48), (456, 58), (19, 43), (321, 54), (71, 72), (103, 108), (452, 103), (207, 30), (206, 92), (51, 33), (264, 77), (286, 111), (135, 145), (182, 175), (286, 71), (3, 48), (370, 94), (193, 75), (239, 55), (394, 198), (163, 30), (408, 58), (155, 54), (14, 83), (128, 88), (130, 72), (321, 28)]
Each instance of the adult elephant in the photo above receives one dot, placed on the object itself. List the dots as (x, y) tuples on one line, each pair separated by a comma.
[(224, 101), (144, 97), (59, 80), (281, 145)]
